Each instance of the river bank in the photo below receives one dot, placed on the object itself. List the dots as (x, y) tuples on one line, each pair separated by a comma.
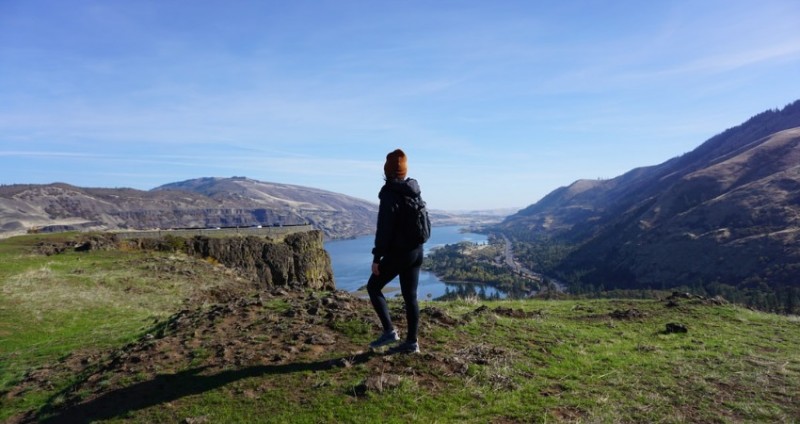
[(352, 259)]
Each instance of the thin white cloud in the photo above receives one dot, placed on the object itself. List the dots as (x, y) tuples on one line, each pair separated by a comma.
[(289, 164), (476, 93), (727, 62), (38, 154)]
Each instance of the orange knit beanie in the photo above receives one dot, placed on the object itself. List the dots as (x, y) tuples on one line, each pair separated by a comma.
[(396, 165)]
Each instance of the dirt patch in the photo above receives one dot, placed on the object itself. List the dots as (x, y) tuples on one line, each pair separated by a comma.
[(483, 354), (581, 307), (477, 312), (567, 414), (626, 314), (438, 315), (82, 243), (516, 313), (554, 390), (500, 311), (49, 249), (378, 384), (676, 298)]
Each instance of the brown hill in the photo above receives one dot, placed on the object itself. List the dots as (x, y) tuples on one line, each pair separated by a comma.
[(727, 212), (204, 202)]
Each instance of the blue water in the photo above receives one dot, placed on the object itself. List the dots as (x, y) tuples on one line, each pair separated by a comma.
[(352, 260)]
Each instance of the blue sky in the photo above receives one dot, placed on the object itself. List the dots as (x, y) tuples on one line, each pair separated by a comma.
[(496, 103)]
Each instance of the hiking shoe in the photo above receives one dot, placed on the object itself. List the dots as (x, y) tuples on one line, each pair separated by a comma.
[(405, 347), (385, 339)]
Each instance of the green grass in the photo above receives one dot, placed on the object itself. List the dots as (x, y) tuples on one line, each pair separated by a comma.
[(733, 366), (51, 306), (566, 361), (357, 330), (601, 372)]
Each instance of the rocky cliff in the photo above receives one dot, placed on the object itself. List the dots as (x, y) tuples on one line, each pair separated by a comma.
[(298, 260)]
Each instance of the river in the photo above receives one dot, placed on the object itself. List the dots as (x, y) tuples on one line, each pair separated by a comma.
[(351, 260)]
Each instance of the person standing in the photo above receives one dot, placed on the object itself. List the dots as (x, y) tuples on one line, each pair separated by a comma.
[(396, 253)]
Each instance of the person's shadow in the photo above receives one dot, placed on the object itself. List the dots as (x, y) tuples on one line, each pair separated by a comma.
[(168, 387)]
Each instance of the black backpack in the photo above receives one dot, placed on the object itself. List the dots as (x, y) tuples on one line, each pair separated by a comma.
[(417, 225)]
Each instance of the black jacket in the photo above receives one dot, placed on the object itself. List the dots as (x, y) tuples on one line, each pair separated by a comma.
[(389, 236)]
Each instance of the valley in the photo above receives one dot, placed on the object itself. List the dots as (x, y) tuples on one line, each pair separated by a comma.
[(719, 220)]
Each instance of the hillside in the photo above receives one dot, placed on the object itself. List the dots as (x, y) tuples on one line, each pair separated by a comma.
[(727, 212), (198, 203), (203, 202), (159, 336), (337, 215)]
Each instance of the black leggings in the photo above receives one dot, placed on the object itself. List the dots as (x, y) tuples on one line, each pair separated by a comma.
[(406, 265)]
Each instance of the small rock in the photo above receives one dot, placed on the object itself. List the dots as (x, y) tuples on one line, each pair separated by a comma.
[(674, 327), (459, 366), (627, 314), (250, 394), (718, 300), (321, 339), (378, 383), (280, 292)]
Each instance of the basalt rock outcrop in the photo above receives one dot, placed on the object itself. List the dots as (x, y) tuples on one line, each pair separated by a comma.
[(299, 259)]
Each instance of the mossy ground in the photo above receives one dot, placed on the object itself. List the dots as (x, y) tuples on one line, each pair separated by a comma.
[(100, 334)]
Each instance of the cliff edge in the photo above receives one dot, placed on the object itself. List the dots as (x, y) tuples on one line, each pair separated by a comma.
[(295, 260)]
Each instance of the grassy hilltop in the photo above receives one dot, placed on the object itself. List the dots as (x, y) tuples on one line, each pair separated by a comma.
[(125, 335)]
